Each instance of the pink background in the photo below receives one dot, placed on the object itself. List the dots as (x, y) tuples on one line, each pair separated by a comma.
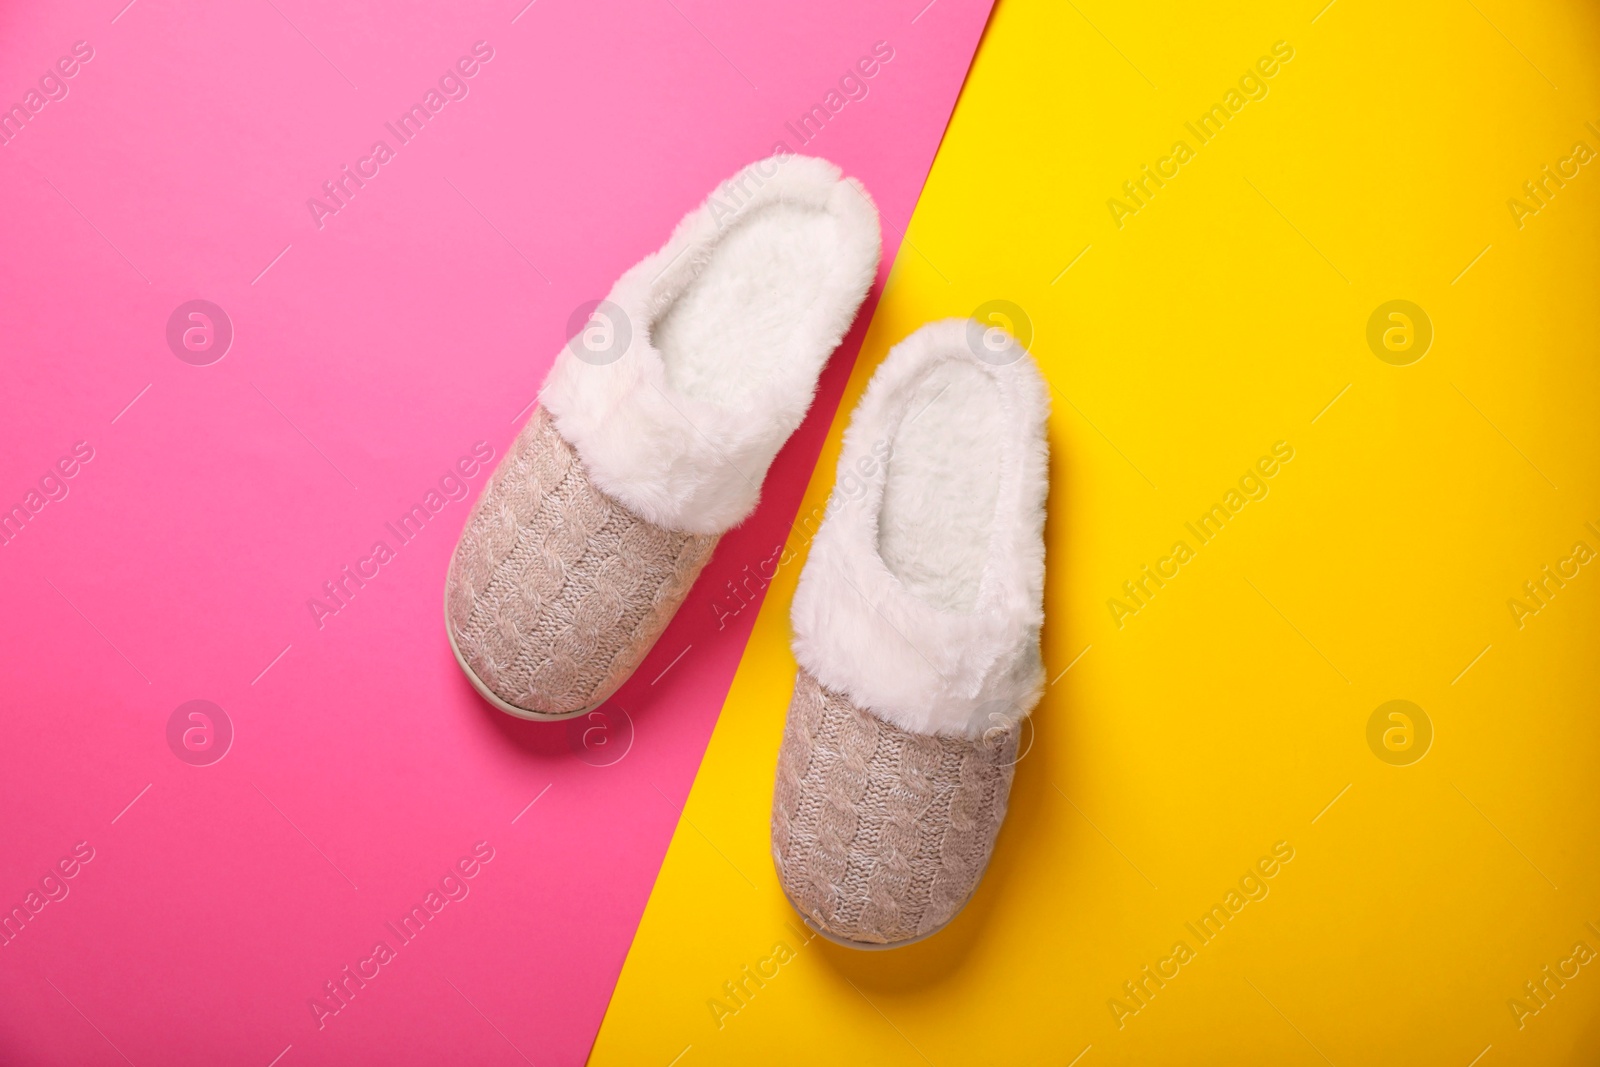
[(373, 353)]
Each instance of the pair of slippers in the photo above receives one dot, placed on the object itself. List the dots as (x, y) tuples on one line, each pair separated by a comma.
[(916, 622)]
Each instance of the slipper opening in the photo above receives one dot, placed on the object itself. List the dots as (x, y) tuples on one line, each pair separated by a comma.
[(723, 336), (942, 486)]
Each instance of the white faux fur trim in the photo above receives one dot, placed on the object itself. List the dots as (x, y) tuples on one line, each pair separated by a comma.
[(686, 462), (859, 630)]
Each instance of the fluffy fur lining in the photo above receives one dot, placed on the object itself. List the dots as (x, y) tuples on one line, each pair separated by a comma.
[(729, 326), (934, 655)]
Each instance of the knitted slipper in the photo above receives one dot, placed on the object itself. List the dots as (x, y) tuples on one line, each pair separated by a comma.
[(916, 627), (654, 430)]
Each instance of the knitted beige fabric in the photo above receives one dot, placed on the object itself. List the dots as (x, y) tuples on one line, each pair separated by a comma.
[(556, 591), (880, 835)]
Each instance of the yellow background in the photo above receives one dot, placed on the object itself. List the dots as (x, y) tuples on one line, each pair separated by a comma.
[(1226, 715)]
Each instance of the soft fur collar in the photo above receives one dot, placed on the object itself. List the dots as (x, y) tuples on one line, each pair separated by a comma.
[(859, 631), (679, 461)]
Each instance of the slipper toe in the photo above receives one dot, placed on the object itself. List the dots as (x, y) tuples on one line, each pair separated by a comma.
[(556, 591), (881, 835)]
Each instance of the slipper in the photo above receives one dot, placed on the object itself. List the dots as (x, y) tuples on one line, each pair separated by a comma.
[(916, 627), (652, 434)]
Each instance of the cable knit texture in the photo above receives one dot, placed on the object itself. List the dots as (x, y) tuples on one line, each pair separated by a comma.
[(556, 591), (880, 835)]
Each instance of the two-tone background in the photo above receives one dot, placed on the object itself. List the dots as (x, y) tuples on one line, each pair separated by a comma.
[(1354, 245)]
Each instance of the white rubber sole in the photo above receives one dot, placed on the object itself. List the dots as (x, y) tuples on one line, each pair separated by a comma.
[(487, 694)]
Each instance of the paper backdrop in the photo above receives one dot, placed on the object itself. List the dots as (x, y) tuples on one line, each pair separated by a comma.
[(1356, 728), (280, 283)]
